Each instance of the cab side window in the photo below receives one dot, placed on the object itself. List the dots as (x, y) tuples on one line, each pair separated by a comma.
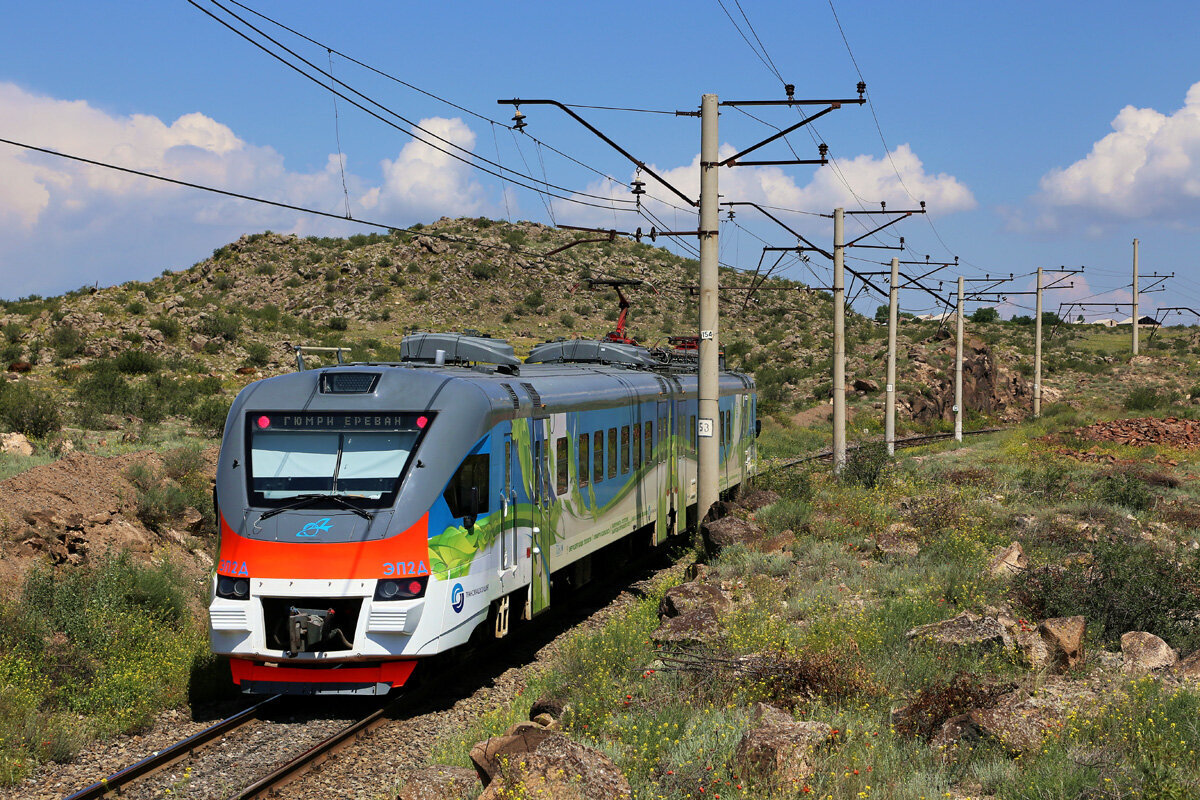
[(468, 490)]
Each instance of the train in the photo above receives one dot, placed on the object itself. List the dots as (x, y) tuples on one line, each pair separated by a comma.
[(375, 514)]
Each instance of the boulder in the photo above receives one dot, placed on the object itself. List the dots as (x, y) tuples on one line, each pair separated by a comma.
[(780, 753), (692, 627), (1020, 720), (769, 714), (522, 738), (691, 595), (865, 385), (754, 499), (964, 630), (1144, 652), (436, 783), (1063, 637), (15, 444), (1010, 561), (731, 530), (554, 767), (1188, 667)]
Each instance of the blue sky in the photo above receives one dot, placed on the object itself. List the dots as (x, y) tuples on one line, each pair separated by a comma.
[(1039, 133)]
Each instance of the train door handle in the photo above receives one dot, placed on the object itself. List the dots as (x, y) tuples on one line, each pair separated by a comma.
[(537, 551)]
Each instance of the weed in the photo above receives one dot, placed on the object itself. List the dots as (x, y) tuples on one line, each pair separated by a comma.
[(935, 704), (257, 354), (209, 414), (24, 410), (1124, 488), (866, 463), (137, 362)]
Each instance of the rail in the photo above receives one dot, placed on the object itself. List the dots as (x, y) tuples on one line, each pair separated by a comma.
[(901, 444), (168, 756)]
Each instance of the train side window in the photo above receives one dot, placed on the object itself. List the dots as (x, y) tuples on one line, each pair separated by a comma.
[(467, 494), (598, 456), (585, 458), (649, 442), (612, 452), (637, 448), (624, 449), (560, 466), (507, 466), (692, 433)]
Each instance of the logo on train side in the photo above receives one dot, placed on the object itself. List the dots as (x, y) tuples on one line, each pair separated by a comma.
[(315, 528), (458, 598)]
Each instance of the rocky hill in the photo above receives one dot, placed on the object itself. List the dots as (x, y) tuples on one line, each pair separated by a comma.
[(183, 343)]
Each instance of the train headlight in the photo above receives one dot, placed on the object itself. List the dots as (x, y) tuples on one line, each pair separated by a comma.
[(401, 589), (233, 588)]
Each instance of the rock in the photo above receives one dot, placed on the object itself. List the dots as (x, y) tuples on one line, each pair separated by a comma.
[(768, 714), (192, 519), (20, 366), (436, 783), (246, 370), (1063, 637), (546, 721), (15, 444), (1144, 652), (964, 630), (551, 705), (865, 385), (780, 753), (1020, 720), (487, 755), (1188, 667), (693, 627), (687, 596), (754, 499), (697, 571), (956, 730), (731, 530), (554, 768), (1009, 562)]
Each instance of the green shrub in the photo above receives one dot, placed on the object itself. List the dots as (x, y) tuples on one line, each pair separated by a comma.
[(420, 295), (209, 414), (33, 413), (224, 326), (136, 307), (137, 362), (338, 323), (169, 327), (1128, 586), (1143, 398), (13, 332), (484, 270), (865, 464), (257, 354), (265, 269), (158, 502), (1124, 488), (66, 341)]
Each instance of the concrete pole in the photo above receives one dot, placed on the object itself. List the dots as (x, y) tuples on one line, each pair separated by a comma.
[(708, 454), (1135, 297), (889, 414), (958, 359), (1037, 350), (839, 341)]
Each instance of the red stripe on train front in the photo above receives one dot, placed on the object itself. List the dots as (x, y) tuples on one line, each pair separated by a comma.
[(394, 673), (405, 555)]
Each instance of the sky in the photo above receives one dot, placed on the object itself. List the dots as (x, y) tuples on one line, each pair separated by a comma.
[(1038, 134)]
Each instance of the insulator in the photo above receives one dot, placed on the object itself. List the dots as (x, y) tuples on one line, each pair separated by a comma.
[(653, 234), (790, 90), (638, 186), (518, 120), (637, 235), (823, 149), (862, 87), (883, 205)]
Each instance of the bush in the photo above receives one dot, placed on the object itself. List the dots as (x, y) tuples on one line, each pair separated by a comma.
[(985, 315), (1124, 488), (224, 326), (137, 362), (865, 464), (338, 323), (66, 341), (158, 502), (483, 270), (1128, 586), (25, 411), (13, 332), (1143, 398), (209, 414), (257, 354), (169, 327), (136, 307)]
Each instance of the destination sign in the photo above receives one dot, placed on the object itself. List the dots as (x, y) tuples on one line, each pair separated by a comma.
[(336, 421)]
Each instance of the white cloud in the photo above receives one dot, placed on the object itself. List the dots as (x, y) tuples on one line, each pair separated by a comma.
[(67, 223), (1149, 166)]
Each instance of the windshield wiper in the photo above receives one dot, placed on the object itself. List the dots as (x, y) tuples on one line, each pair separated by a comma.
[(303, 500)]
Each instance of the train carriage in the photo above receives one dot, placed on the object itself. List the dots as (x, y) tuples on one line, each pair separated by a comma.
[(374, 514)]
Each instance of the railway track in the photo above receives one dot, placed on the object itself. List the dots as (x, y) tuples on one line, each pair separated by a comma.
[(901, 444), (119, 781)]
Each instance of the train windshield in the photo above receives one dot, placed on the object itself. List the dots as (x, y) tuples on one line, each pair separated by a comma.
[(348, 455)]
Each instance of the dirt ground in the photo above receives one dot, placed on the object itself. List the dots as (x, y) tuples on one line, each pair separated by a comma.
[(78, 508)]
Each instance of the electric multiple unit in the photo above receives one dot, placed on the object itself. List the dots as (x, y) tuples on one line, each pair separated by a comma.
[(374, 514)]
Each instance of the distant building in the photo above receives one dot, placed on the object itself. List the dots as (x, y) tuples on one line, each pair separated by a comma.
[(1143, 321), (1108, 323)]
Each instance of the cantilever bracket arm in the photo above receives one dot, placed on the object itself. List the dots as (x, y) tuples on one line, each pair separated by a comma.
[(781, 224), (888, 224), (732, 160), (516, 101)]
